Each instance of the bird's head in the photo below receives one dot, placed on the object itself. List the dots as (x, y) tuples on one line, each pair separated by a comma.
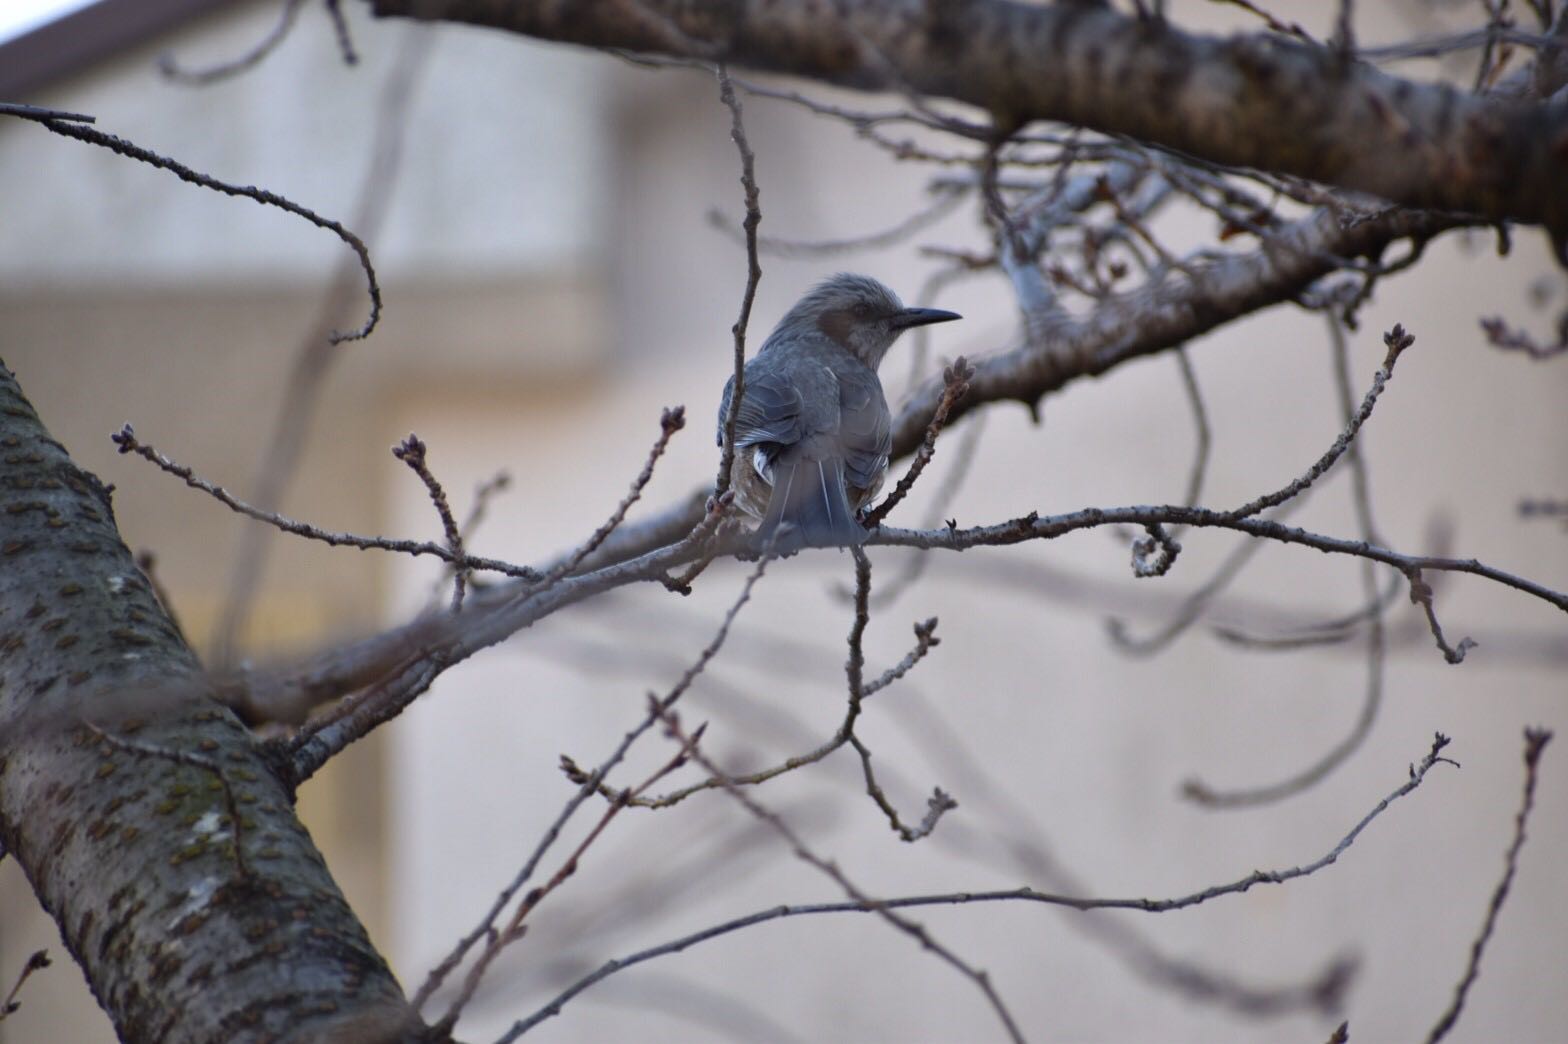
[(860, 314)]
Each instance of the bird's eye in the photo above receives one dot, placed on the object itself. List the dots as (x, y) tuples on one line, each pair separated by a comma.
[(861, 310)]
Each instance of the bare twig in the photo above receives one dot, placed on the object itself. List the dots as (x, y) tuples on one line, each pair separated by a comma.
[(1019, 242), (1543, 508), (36, 112), (1037, 527), (1448, 43), (340, 30), (496, 941), (1307, 635), (1494, 53), (1503, 336), (1417, 777), (398, 666), (925, 641), (753, 218), (1421, 594), (71, 126), (941, 502), (483, 493), (126, 440), (1201, 793), (587, 787), (1343, 41), (831, 869), (1397, 341), (1012, 819), (859, 691), (671, 420), (937, 805), (486, 491), (955, 383), (172, 70), (1278, 26), (1535, 741), (855, 665), (1261, 221), (1195, 604), (433, 642), (1374, 603), (854, 669), (860, 119), (37, 962), (748, 779), (411, 451), (1133, 222)]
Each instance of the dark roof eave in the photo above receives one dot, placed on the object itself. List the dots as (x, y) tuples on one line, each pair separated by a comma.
[(69, 45)]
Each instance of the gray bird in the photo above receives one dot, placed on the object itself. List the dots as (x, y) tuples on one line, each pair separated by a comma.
[(813, 432)]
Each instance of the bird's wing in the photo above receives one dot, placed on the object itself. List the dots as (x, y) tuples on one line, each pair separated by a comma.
[(770, 409), (865, 428)]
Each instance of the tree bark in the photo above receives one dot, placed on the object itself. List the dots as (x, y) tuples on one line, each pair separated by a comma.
[(121, 783), (1253, 100), (1161, 315)]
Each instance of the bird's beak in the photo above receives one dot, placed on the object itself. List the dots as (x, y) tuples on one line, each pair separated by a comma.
[(921, 317)]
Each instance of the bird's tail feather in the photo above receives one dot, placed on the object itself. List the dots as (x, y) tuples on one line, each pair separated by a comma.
[(810, 507)]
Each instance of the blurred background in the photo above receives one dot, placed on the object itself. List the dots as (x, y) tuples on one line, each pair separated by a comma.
[(540, 220)]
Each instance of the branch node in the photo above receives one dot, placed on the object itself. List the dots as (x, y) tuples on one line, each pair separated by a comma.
[(1421, 594), (1153, 555)]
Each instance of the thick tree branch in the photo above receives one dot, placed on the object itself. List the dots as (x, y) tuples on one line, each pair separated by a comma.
[(1162, 315), (1250, 100)]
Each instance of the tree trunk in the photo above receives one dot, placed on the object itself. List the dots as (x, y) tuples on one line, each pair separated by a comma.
[(121, 783)]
